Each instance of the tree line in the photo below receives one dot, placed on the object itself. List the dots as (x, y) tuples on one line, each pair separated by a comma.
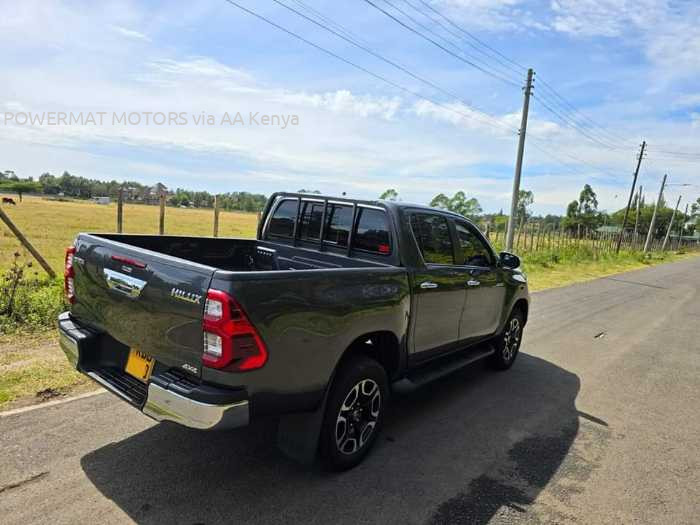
[(582, 214), (84, 188)]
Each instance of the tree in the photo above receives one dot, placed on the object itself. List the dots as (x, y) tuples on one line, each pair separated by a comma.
[(583, 212), (695, 208), (20, 187), (389, 195), (525, 200), (458, 204)]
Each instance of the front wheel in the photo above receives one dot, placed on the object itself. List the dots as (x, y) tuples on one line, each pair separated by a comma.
[(354, 413), (507, 343)]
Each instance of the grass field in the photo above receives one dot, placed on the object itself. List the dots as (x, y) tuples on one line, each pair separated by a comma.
[(51, 225)]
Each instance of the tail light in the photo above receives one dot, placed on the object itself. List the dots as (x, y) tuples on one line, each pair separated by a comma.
[(69, 275), (230, 339)]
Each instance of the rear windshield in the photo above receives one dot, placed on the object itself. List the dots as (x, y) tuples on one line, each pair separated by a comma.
[(338, 224), (371, 233)]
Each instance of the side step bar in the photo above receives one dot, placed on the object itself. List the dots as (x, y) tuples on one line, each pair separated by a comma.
[(441, 367)]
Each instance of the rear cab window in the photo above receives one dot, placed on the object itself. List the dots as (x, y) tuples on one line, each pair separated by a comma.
[(371, 233), (282, 221)]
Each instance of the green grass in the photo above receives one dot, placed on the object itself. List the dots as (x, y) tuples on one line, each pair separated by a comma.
[(33, 368)]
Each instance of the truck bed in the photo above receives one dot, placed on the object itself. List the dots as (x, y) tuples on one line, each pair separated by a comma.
[(239, 255)]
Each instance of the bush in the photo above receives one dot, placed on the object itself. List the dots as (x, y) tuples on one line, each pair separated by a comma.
[(26, 301)]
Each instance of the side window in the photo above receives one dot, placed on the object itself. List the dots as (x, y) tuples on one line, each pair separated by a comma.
[(433, 236), (282, 222), (372, 232), (474, 251), (338, 224), (311, 217)]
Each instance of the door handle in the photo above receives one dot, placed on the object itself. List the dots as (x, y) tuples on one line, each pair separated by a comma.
[(125, 284), (473, 282), (428, 285)]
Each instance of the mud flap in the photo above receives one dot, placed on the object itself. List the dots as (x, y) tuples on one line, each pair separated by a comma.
[(298, 434)]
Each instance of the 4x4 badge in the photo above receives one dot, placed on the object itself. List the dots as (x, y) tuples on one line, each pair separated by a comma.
[(186, 296)]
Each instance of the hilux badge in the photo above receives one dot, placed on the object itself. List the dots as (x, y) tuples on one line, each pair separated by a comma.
[(185, 296)]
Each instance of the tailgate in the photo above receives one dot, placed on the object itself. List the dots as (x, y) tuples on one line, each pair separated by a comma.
[(146, 300)]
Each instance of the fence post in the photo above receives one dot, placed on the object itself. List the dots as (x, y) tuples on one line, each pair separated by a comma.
[(25, 242), (120, 210), (216, 216), (161, 225)]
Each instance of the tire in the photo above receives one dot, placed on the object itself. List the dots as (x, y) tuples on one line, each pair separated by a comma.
[(354, 414), (507, 343)]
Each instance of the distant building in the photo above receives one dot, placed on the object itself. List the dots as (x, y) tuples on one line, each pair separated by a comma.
[(101, 200), (610, 228)]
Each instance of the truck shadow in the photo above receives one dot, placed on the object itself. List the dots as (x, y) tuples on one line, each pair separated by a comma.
[(459, 451)]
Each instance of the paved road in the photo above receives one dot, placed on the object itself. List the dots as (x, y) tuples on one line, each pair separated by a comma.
[(585, 428)]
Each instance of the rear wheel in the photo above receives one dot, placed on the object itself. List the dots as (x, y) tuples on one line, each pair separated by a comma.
[(507, 343), (354, 413)]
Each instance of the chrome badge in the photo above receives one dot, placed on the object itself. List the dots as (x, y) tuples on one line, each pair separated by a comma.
[(182, 295)]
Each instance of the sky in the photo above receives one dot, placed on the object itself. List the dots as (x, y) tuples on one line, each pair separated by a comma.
[(630, 70)]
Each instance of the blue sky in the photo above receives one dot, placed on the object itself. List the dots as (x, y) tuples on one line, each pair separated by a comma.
[(632, 67)]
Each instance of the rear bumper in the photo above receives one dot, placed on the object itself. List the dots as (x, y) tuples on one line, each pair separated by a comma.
[(158, 399)]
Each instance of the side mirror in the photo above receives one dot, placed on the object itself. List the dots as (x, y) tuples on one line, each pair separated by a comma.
[(509, 260)]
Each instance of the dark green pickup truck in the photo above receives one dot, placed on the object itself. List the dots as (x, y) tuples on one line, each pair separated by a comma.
[(334, 305)]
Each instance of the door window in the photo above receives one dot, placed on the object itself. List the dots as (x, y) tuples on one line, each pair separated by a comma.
[(472, 249), (372, 233), (433, 237)]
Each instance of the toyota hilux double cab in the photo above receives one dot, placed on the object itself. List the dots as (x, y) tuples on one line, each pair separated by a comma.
[(333, 306)]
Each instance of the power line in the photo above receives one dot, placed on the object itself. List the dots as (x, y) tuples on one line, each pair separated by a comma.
[(575, 126), (476, 115), (509, 69), (572, 110), (473, 37), (440, 46), (388, 61)]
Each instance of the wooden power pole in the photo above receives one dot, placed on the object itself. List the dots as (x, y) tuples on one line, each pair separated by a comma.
[(650, 233), (519, 162), (629, 202), (670, 224)]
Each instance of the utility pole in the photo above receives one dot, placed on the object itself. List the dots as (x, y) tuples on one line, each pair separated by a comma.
[(519, 162), (653, 216), (682, 228), (629, 202), (670, 224), (639, 208)]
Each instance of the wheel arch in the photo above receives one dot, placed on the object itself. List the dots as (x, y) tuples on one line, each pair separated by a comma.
[(522, 305), (382, 346)]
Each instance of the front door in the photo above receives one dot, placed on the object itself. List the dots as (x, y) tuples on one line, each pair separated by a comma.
[(486, 292), (438, 288)]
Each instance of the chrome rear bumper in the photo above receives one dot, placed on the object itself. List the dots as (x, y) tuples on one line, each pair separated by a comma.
[(160, 403)]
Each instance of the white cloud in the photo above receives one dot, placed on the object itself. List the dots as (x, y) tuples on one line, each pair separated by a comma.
[(490, 15), (343, 101), (130, 33)]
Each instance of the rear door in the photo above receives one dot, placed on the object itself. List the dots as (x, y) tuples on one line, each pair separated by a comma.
[(438, 287), (485, 286), (148, 301)]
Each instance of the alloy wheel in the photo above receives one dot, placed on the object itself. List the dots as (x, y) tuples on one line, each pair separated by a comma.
[(511, 339), (358, 416)]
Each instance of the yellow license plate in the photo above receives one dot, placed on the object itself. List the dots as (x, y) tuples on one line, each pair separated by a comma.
[(140, 365)]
